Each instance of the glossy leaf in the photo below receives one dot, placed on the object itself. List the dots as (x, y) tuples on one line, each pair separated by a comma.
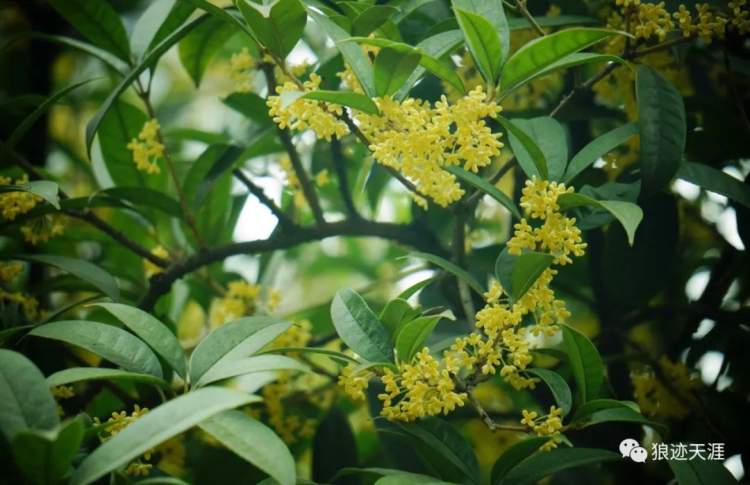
[(435, 47), (517, 274), (251, 105), (520, 140), (79, 268), (486, 187), (663, 129), (551, 138), (543, 464), (494, 12), (597, 148), (451, 268), (412, 335), (714, 180), (198, 48), (416, 287), (78, 374), (155, 427), (25, 399), (558, 386), (107, 341), (234, 340), (98, 22), (158, 20), (392, 68), (571, 60), (360, 328), (344, 98), (619, 414), (482, 41), (44, 457), (515, 455), (395, 313), (585, 362), (371, 18), (629, 214), (701, 472), (153, 332), (249, 365), (277, 26)]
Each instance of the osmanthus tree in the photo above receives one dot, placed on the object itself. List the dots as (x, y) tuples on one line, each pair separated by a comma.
[(498, 252)]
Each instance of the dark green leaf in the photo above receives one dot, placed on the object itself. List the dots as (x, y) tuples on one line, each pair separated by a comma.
[(344, 98), (277, 26), (483, 43), (25, 399), (155, 427), (540, 465), (395, 313), (79, 268), (392, 68), (451, 268), (629, 214), (45, 456), (517, 274), (199, 47), (435, 47), (146, 197), (558, 386), (360, 328), (486, 187), (515, 455), (78, 374), (412, 335), (585, 363), (598, 148), (620, 414), (259, 363), (552, 140), (98, 22), (251, 105), (716, 181), (328, 460), (109, 342), (254, 442), (520, 140), (571, 60), (663, 130), (701, 472), (371, 18)]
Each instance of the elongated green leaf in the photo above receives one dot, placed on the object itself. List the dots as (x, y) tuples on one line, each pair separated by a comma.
[(258, 363), (540, 465), (45, 189), (571, 60), (251, 105), (105, 56), (412, 335), (371, 18), (621, 414), (277, 26), (410, 479), (199, 47), (486, 187), (341, 357), (551, 138), (629, 214), (598, 148), (151, 331), (25, 399), (544, 51), (360, 328), (392, 68), (254, 442), (79, 268), (494, 12), (109, 342), (595, 405), (513, 456), (521, 23), (395, 313), (407, 293), (98, 22), (352, 53), (234, 340), (483, 43), (146, 197), (344, 98), (558, 386), (451, 268), (435, 47), (663, 129), (160, 19), (585, 362), (157, 426), (443, 439), (517, 274), (519, 139), (716, 181), (701, 472), (78, 374), (45, 456)]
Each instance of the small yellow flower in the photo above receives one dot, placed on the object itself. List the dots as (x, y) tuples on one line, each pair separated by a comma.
[(147, 148), (322, 178), (241, 71), (149, 268), (13, 204)]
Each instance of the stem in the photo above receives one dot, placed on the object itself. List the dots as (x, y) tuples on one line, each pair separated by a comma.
[(521, 4), (284, 219), (491, 424)]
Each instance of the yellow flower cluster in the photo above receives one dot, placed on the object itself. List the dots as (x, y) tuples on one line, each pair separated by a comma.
[(147, 148), (670, 395), (242, 71), (301, 114), (557, 235), (646, 20), (548, 425), (13, 204), (419, 139), (41, 229), (29, 305), (241, 299), (149, 268), (10, 271), (116, 423)]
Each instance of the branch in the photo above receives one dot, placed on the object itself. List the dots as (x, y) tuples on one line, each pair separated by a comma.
[(409, 235), (340, 167), (521, 4), (284, 219), (491, 424)]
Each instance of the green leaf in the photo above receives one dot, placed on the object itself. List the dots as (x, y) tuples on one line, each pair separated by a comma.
[(541, 465), (44, 457), (571, 60), (544, 51), (249, 365), (372, 18), (254, 442), (79, 268), (160, 19), (597, 148), (558, 386), (520, 140), (482, 41), (443, 439), (146, 197), (395, 313), (277, 26), (234, 340), (552, 140), (486, 187), (251, 105), (620, 414), (434, 48), (105, 56), (494, 12), (585, 362), (412, 335), (344, 98), (155, 427), (663, 129), (78, 374), (518, 273), (339, 356), (595, 405), (45, 189), (360, 328), (352, 53), (407, 293), (25, 399), (515, 455), (715, 181), (392, 68), (109, 342), (199, 47), (451, 268), (328, 460), (410, 479), (151, 331), (629, 214), (701, 472), (98, 22)]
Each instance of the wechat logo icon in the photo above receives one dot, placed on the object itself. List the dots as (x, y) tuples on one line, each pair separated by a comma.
[(630, 448)]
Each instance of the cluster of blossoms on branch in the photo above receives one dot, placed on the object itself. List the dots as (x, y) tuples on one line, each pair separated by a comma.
[(666, 392), (241, 299), (430, 386), (16, 203), (147, 149), (9, 271)]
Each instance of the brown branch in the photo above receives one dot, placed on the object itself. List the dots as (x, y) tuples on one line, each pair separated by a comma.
[(339, 165), (258, 192), (488, 421)]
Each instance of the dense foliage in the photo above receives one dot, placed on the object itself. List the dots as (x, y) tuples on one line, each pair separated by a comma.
[(417, 241)]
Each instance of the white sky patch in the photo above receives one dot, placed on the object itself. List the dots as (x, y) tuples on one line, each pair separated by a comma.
[(696, 284), (686, 190), (704, 327), (734, 465)]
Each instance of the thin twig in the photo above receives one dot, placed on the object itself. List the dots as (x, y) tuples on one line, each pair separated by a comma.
[(258, 192), (488, 421), (521, 4)]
